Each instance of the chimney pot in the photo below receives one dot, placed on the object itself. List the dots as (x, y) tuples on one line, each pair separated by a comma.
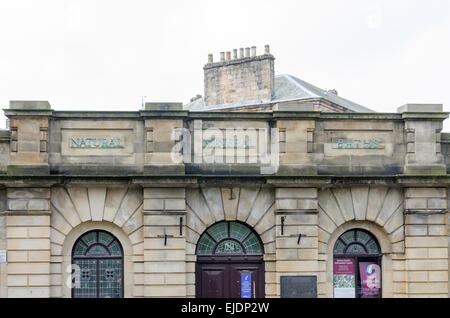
[(222, 56), (234, 54), (253, 51), (267, 49), (228, 55), (241, 53), (210, 58), (247, 52)]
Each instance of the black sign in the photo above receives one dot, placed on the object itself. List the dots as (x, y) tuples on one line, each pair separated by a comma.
[(298, 286)]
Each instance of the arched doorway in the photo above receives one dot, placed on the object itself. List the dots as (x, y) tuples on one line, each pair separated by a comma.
[(230, 262), (357, 265), (99, 257)]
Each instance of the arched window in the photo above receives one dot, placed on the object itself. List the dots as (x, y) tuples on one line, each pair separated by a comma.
[(357, 265), (99, 257), (229, 238)]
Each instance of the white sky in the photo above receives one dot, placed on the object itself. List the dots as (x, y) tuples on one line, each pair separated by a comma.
[(106, 55)]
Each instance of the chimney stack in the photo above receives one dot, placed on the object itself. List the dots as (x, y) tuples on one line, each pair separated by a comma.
[(247, 78)]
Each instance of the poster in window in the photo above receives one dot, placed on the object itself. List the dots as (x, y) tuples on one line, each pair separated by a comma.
[(344, 277), (370, 279), (246, 285)]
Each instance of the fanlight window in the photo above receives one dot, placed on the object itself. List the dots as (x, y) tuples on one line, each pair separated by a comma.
[(356, 242), (229, 238)]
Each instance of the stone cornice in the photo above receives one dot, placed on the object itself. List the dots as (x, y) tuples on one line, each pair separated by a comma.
[(197, 180)]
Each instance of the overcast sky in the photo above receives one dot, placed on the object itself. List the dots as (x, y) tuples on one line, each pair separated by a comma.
[(106, 55)]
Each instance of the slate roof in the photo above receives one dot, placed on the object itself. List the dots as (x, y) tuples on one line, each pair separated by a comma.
[(286, 88)]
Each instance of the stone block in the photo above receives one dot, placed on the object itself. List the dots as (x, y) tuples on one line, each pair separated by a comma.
[(438, 276), (29, 105), (158, 243), (165, 291), (175, 204), (307, 204), (28, 268), (17, 256), (437, 241), (308, 193), (417, 253), (114, 197), (154, 204), (16, 232), (17, 280), (28, 244), (286, 204), (164, 267), (28, 193), (437, 204), (428, 288), (426, 193), (80, 199), (29, 292), (39, 232), (164, 193), (437, 252), (17, 205), (38, 205), (297, 266), (416, 230), (164, 255), (39, 280), (421, 108), (437, 230), (416, 204), (97, 196), (163, 106), (39, 256), (427, 265), (417, 276), (425, 219)]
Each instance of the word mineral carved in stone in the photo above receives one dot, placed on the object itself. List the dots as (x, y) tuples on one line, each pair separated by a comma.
[(94, 142)]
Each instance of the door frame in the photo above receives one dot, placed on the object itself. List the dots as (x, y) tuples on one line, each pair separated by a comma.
[(257, 260)]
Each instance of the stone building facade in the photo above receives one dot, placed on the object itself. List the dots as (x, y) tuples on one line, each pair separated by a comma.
[(166, 202)]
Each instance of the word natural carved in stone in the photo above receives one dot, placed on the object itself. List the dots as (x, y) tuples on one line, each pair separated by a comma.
[(95, 142)]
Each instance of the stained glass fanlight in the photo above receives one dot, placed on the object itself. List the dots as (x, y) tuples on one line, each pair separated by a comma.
[(229, 238), (356, 242)]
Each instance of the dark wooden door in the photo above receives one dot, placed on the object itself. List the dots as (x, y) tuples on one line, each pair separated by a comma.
[(223, 280)]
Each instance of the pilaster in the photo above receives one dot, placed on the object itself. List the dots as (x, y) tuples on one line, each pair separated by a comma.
[(164, 242), (426, 242), (28, 242), (297, 244)]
